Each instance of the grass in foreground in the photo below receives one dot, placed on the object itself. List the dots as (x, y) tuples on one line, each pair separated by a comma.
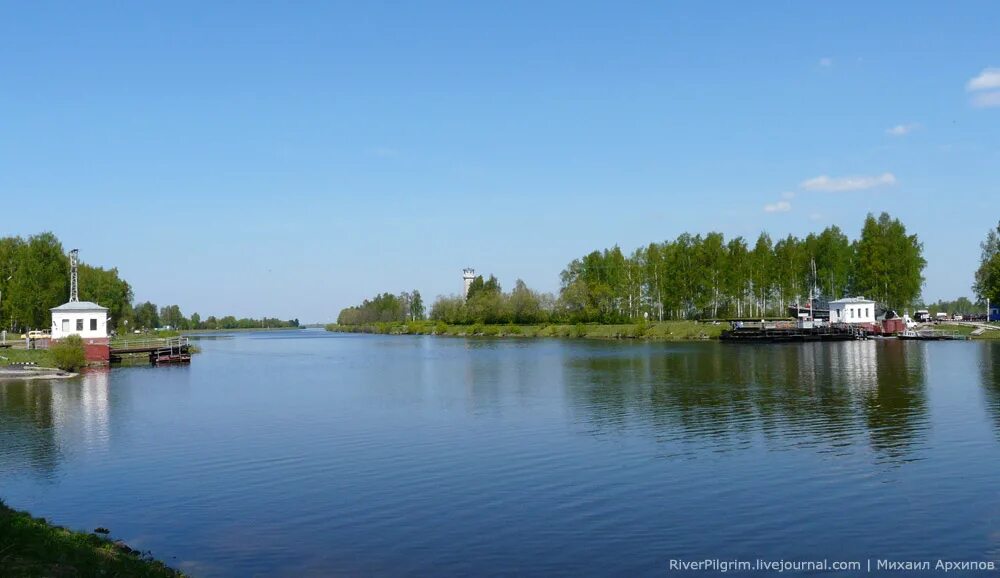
[(32, 547), (42, 357), (664, 331)]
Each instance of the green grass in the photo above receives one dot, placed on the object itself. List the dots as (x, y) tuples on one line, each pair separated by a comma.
[(42, 357), (967, 330), (33, 547), (665, 331)]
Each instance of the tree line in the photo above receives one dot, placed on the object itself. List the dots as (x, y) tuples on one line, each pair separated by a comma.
[(705, 277), (147, 316), (34, 278), (407, 306), (697, 276)]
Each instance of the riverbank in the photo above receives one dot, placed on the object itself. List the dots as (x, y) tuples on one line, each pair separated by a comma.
[(966, 330), (40, 357), (661, 331), (32, 547)]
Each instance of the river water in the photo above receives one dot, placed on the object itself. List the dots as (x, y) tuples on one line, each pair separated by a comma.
[(313, 454)]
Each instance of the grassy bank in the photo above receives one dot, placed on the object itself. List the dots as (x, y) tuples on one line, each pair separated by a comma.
[(33, 547), (967, 330), (41, 357), (665, 331)]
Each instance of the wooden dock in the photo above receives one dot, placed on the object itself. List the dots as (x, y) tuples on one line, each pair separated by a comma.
[(160, 351)]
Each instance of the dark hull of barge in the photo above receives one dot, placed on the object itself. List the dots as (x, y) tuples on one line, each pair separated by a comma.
[(791, 335)]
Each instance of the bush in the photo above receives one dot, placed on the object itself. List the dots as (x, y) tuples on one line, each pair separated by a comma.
[(69, 354)]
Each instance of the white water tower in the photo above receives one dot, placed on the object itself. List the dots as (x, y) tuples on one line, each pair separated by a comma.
[(468, 274)]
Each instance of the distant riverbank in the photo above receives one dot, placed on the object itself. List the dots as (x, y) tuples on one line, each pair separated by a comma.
[(659, 331), (33, 547)]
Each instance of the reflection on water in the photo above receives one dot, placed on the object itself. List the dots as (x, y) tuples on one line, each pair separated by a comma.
[(989, 367), (307, 453), (40, 421), (727, 394)]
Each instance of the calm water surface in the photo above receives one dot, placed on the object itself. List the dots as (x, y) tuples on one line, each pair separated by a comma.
[(310, 453)]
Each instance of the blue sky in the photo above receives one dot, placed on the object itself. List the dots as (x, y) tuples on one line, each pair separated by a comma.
[(291, 159)]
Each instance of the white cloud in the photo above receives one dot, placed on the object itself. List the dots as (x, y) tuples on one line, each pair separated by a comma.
[(988, 79), (902, 129), (986, 99), (826, 62), (779, 207), (788, 195), (828, 184)]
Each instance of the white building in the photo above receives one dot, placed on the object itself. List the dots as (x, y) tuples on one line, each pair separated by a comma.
[(852, 310), (468, 276), (83, 318)]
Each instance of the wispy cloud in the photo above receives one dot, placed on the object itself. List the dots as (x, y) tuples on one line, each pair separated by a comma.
[(902, 129), (986, 99), (779, 207), (829, 184), (988, 79), (788, 195), (826, 62)]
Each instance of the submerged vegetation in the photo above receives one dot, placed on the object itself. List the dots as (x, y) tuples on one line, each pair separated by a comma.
[(33, 547)]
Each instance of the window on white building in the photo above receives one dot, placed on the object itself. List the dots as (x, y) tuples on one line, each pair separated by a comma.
[(79, 324), (65, 326), (93, 325)]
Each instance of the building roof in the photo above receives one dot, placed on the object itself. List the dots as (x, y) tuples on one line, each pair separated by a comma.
[(852, 300), (79, 306)]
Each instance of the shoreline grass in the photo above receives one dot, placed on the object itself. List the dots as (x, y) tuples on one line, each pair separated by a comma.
[(657, 331), (966, 331), (40, 357), (32, 546)]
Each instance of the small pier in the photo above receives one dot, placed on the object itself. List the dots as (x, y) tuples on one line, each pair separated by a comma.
[(160, 351)]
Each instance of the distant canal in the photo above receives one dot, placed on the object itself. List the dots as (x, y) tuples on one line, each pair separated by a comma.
[(318, 454)]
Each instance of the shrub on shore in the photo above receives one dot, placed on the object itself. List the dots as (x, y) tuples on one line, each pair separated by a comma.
[(69, 353)]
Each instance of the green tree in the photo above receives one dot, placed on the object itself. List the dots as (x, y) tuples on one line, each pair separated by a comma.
[(146, 316), (889, 263), (106, 288), (417, 310), (40, 281), (987, 280), (170, 315)]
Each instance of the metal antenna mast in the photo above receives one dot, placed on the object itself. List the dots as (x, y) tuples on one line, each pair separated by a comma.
[(74, 284)]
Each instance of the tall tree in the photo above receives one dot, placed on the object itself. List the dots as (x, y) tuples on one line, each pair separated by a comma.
[(889, 263), (39, 283), (987, 281)]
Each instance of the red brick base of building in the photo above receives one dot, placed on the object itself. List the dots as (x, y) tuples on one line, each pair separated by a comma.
[(97, 351)]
